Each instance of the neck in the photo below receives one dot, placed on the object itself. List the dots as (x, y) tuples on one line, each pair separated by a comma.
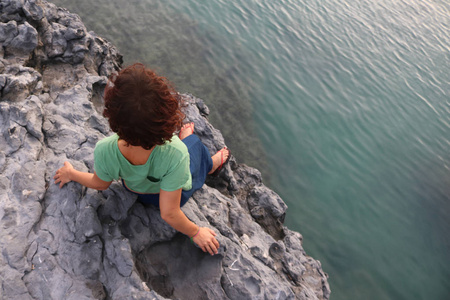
[(127, 145), (136, 155)]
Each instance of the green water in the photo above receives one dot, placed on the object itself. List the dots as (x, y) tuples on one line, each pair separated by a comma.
[(345, 108)]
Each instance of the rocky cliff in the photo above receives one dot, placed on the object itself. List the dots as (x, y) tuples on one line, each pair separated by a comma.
[(78, 243)]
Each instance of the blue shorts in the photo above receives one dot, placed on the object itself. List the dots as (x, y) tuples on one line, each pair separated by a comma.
[(200, 164)]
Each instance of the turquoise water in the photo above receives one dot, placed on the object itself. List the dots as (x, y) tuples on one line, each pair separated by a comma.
[(346, 108)]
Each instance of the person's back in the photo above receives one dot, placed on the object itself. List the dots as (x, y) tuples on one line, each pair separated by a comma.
[(144, 171)]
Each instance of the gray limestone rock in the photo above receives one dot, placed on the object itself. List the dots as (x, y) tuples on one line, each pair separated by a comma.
[(32, 10), (78, 243), (20, 82), (8, 31), (23, 43), (10, 10)]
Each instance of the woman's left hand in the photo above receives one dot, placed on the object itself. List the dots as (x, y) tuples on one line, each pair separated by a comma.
[(205, 239)]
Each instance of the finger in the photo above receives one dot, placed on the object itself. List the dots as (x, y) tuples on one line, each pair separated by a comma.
[(203, 248), (216, 243), (213, 248), (61, 184), (208, 247), (212, 232), (57, 180)]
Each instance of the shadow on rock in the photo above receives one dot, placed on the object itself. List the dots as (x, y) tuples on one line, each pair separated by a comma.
[(177, 270)]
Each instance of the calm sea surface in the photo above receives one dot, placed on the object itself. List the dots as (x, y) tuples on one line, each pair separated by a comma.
[(343, 105)]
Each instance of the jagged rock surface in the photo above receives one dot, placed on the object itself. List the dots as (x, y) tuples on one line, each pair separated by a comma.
[(77, 243)]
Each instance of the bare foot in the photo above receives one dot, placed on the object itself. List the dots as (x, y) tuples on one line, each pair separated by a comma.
[(186, 130), (219, 159)]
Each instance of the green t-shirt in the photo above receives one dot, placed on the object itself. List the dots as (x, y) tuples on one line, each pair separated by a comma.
[(167, 167)]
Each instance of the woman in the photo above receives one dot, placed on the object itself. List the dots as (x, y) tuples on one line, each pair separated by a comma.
[(163, 169)]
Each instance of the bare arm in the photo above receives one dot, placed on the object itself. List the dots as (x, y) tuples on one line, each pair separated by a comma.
[(67, 173), (169, 204)]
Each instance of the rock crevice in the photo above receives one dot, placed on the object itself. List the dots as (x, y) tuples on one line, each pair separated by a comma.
[(78, 243)]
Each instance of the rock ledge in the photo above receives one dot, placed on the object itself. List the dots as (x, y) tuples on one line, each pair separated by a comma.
[(77, 243)]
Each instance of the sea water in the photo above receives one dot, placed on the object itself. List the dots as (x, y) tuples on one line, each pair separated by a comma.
[(343, 105)]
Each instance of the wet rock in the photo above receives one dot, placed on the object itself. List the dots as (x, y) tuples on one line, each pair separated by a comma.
[(78, 243)]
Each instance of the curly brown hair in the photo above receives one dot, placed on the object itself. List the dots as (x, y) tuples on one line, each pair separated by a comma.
[(142, 107)]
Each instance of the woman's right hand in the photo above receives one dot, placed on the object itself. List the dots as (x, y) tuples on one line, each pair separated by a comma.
[(205, 239), (63, 175)]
